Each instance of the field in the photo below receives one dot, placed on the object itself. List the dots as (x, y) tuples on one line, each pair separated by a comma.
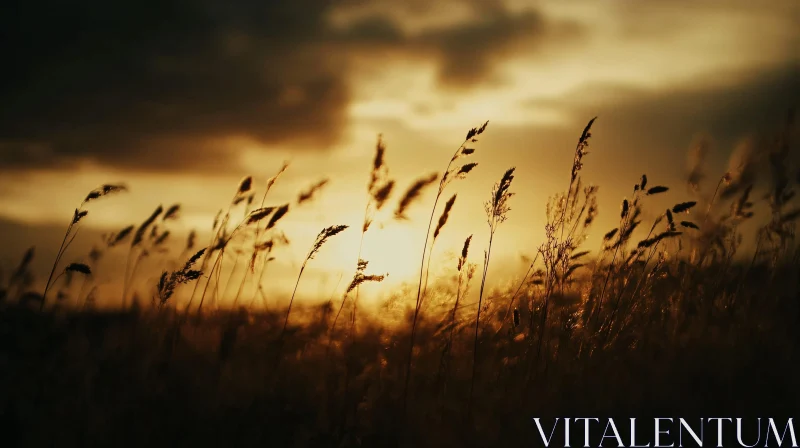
[(669, 317)]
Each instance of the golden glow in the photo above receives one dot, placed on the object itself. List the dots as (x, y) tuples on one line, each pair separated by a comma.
[(653, 49)]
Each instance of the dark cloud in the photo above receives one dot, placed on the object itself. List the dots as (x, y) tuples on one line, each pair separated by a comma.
[(466, 53), (667, 118), (161, 85), (469, 53), (156, 84), (640, 131)]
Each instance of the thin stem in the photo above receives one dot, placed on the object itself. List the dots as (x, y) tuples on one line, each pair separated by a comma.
[(644, 268), (421, 269), (255, 247), (336, 319), (608, 277), (259, 289), (453, 318), (291, 301), (428, 270), (61, 250), (705, 219), (478, 318), (635, 290), (360, 248), (217, 264), (519, 288), (230, 279), (208, 282), (130, 280), (622, 228)]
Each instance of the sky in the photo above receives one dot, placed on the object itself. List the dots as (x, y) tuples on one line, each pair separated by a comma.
[(181, 99)]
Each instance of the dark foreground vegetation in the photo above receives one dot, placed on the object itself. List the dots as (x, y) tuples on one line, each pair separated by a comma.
[(665, 320)]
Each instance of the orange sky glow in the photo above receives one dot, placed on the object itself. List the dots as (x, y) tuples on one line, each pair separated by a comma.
[(317, 89)]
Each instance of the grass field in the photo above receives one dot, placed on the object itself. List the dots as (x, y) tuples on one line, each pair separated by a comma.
[(671, 316)]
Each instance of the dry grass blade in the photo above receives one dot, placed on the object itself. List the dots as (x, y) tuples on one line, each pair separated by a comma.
[(81, 268), (445, 215), (172, 213), (382, 194), (191, 240), (697, 158), (161, 239), (474, 132), (464, 252), (246, 198), (378, 165), (669, 234), (496, 210), (271, 181), (78, 215), (259, 214), (498, 206), (361, 278), (69, 236), (265, 246), (194, 259), (465, 169), (587, 132), (121, 235), (168, 282), (307, 195), (279, 213), (690, 225), (572, 269), (27, 258), (216, 220), (670, 219), (683, 207), (142, 230), (322, 238), (104, 190), (413, 193), (580, 150), (579, 255), (245, 185), (657, 190)]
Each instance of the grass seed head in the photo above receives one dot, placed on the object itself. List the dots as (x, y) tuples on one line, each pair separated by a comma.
[(445, 215), (104, 190), (142, 230), (81, 268), (413, 193)]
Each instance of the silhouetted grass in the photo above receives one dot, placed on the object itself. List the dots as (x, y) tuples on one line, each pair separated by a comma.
[(660, 322)]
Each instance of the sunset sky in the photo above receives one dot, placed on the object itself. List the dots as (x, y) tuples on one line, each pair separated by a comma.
[(180, 99)]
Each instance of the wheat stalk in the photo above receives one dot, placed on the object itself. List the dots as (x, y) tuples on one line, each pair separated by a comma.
[(320, 241), (79, 214), (497, 209), (450, 173)]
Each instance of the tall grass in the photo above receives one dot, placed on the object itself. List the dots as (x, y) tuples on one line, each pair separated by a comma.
[(320, 241), (667, 298), (73, 228), (450, 173), (497, 209)]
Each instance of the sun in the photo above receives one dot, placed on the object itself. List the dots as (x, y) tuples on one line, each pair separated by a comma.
[(394, 249)]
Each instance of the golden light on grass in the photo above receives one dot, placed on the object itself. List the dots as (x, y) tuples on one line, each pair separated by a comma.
[(320, 262)]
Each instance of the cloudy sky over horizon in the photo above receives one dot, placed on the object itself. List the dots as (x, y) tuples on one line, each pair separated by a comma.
[(180, 99)]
